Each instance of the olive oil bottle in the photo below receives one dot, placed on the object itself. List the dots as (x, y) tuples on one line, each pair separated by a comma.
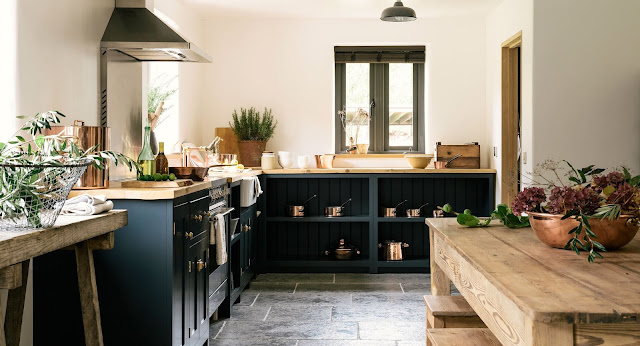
[(162, 163), (146, 159)]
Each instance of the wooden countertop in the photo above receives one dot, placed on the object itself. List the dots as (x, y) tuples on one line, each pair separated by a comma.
[(116, 191), (514, 276), (233, 177), (376, 170), (20, 245)]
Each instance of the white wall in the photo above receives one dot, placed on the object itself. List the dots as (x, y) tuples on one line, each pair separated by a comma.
[(509, 18), (587, 82), (287, 65), (55, 66), (190, 75)]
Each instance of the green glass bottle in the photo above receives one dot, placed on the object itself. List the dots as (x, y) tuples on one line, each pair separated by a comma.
[(146, 159)]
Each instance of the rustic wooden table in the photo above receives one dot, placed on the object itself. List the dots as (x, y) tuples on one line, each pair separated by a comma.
[(83, 234), (530, 294)]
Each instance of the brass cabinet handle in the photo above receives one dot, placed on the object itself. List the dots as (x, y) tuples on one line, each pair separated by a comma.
[(197, 218), (188, 235), (201, 265), (247, 228)]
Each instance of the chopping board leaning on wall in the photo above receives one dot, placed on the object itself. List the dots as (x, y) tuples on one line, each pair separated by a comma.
[(229, 144)]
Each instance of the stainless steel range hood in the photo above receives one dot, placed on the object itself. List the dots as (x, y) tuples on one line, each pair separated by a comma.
[(135, 31)]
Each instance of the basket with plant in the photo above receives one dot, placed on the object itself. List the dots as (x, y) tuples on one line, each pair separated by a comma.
[(37, 173)]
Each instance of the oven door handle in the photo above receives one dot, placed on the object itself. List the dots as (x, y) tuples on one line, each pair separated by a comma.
[(224, 213)]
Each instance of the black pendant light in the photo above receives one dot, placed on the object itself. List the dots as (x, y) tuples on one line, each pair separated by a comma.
[(398, 13)]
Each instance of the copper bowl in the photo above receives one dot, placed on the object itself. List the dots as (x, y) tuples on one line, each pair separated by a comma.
[(554, 231), (193, 173)]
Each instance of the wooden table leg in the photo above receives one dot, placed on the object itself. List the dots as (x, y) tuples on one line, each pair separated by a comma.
[(15, 307), (88, 295), (440, 283)]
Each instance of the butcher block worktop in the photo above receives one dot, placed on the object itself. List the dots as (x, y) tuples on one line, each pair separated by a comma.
[(375, 170), (116, 191)]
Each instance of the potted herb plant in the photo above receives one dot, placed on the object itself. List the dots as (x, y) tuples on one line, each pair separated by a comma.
[(253, 131), (37, 174)]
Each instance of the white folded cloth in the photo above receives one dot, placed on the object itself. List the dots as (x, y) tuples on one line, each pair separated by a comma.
[(218, 236), (87, 205)]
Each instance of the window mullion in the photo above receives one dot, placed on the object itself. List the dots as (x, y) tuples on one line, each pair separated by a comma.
[(378, 112)]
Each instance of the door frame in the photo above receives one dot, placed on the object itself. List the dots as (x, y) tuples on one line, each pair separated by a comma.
[(510, 112)]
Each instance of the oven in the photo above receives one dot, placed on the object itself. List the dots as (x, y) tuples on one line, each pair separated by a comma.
[(219, 274)]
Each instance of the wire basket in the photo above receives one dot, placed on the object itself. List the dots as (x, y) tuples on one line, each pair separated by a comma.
[(32, 196)]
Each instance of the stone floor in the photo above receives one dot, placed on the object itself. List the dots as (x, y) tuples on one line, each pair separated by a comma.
[(327, 310)]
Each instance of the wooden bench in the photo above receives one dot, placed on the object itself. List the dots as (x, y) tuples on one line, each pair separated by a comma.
[(461, 337), (450, 312)]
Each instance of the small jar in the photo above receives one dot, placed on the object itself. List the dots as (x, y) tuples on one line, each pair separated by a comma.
[(268, 160)]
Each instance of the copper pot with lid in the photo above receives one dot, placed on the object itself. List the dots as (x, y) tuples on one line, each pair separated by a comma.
[(392, 250), (343, 251), (86, 137)]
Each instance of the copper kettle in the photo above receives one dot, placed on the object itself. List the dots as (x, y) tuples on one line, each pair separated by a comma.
[(392, 250)]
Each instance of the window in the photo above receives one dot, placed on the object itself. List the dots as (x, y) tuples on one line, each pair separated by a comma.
[(387, 83)]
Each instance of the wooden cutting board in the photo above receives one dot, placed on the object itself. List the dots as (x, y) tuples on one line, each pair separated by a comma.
[(134, 184), (229, 144)]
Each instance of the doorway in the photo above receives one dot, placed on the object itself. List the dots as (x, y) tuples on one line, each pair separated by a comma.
[(511, 120)]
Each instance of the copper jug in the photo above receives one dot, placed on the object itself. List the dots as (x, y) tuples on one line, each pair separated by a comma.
[(86, 137)]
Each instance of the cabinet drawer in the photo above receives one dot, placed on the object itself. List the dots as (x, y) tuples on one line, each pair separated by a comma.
[(217, 297), (198, 217), (218, 276)]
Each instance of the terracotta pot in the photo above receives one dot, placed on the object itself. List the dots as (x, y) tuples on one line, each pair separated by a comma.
[(554, 231), (251, 152)]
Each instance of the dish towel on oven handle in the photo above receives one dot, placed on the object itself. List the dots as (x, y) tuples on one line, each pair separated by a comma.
[(218, 236), (87, 205)]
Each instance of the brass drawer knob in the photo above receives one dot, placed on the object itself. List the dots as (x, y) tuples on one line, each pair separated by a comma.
[(188, 235), (197, 218), (201, 265)]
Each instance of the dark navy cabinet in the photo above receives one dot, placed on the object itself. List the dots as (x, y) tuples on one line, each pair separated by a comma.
[(289, 244), (152, 287)]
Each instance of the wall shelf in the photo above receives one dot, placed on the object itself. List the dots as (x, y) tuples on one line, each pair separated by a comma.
[(401, 219), (361, 218)]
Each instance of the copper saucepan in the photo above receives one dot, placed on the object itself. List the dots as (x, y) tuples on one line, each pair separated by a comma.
[(392, 250), (298, 210), (391, 212), (415, 212), (336, 211)]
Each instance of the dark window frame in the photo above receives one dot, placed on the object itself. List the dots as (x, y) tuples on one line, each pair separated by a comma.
[(379, 92)]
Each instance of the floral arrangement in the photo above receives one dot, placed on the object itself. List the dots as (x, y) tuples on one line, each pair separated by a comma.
[(589, 193), (360, 118)]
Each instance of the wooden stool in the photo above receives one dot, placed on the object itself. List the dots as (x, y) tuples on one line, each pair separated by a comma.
[(461, 337)]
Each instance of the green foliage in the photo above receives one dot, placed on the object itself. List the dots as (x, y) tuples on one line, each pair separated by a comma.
[(502, 213), (29, 166), (508, 218), (251, 126), (608, 211), (590, 245), (160, 90), (580, 176)]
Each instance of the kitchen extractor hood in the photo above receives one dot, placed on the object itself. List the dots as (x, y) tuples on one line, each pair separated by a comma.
[(135, 31)]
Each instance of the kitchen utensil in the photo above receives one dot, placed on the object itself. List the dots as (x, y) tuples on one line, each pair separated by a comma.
[(336, 211), (87, 137), (392, 250), (445, 164), (327, 160), (391, 212), (343, 251), (303, 161), (268, 160), (193, 173), (470, 154), (415, 212), (285, 159), (298, 210), (418, 161)]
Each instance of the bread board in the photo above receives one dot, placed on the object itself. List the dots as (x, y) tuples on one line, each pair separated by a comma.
[(470, 155), (135, 184)]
